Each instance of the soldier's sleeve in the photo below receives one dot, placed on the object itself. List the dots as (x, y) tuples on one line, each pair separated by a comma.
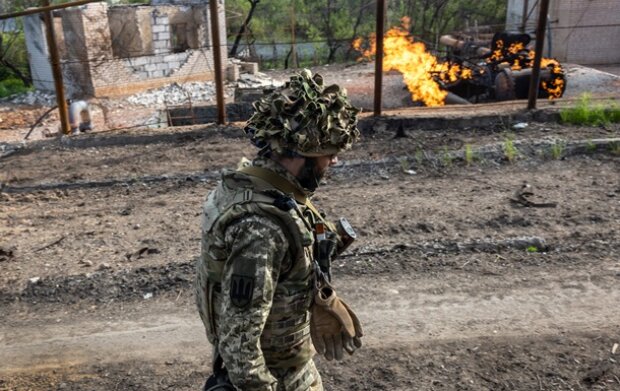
[(257, 247)]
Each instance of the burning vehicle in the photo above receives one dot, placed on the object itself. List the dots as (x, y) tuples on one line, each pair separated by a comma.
[(469, 73)]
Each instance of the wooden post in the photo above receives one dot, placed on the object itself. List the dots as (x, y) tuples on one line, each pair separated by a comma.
[(540, 42), (217, 62), (379, 56), (56, 70)]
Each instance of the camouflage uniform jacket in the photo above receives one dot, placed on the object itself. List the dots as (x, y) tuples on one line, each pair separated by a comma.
[(255, 282)]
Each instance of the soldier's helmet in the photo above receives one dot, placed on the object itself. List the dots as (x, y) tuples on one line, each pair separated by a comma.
[(305, 117)]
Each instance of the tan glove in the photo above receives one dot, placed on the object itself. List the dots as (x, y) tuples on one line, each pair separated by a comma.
[(334, 327)]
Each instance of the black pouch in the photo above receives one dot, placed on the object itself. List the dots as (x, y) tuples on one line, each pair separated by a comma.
[(219, 381)]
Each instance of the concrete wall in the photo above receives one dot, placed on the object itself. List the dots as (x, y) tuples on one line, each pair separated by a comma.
[(586, 45), (127, 40), (76, 68), (124, 49), (597, 43), (38, 56)]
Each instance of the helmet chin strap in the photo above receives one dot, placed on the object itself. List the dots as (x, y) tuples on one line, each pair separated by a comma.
[(307, 175)]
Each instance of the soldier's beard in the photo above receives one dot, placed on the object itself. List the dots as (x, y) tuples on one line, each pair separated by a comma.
[(310, 176)]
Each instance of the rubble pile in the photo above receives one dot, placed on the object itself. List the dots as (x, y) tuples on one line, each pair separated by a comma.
[(33, 98), (177, 94), (173, 94)]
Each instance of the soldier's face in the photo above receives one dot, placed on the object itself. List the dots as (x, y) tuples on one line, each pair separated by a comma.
[(322, 164)]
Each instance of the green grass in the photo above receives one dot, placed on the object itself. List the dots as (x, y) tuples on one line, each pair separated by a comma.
[(587, 113), (590, 146), (12, 86), (510, 151), (532, 249), (419, 157), (469, 155), (557, 150)]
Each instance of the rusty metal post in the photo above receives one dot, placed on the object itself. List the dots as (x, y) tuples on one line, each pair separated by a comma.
[(379, 56), (217, 61), (56, 70), (48, 7), (540, 42)]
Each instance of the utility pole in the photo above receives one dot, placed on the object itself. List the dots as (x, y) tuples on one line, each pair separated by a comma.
[(217, 62), (56, 70), (380, 26), (540, 42)]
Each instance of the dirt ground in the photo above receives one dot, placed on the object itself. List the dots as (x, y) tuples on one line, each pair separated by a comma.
[(458, 287)]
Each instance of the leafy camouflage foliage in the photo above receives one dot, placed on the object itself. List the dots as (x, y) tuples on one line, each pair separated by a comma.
[(304, 116)]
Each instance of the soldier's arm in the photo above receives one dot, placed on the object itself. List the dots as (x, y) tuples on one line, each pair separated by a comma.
[(257, 247)]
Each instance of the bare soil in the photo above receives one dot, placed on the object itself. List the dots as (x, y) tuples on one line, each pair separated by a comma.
[(458, 287)]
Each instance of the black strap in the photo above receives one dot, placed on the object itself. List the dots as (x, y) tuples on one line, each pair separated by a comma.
[(219, 380)]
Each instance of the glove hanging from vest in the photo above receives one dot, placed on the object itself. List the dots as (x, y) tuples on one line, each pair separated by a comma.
[(334, 327)]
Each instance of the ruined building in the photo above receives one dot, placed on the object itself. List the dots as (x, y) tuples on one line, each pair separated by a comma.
[(113, 50)]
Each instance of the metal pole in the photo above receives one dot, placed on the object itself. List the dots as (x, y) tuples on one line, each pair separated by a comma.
[(217, 61), (540, 42), (56, 71), (47, 8), (379, 56), (294, 62), (524, 16)]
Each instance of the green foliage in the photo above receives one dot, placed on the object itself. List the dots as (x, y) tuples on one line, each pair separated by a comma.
[(557, 149), (510, 151), (419, 157), (12, 86), (587, 113), (447, 157), (333, 24), (432, 18), (532, 249), (469, 155), (13, 51)]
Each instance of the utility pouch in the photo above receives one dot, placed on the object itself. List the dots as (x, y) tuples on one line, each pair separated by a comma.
[(325, 248)]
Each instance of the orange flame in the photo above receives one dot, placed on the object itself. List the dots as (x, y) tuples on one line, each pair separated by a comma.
[(553, 86), (417, 65)]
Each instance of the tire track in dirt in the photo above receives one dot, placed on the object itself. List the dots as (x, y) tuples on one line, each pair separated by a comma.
[(397, 311)]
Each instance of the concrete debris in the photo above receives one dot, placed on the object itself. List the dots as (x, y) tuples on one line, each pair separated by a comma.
[(178, 94), (175, 94), (33, 98), (172, 94)]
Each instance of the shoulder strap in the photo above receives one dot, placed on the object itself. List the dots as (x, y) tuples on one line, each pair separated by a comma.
[(287, 187)]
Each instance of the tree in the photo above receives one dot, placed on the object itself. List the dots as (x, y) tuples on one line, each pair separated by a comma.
[(244, 27)]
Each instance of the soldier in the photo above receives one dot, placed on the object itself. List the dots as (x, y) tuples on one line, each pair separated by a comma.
[(266, 250)]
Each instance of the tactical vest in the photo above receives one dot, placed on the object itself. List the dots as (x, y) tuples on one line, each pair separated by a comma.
[(285, 338)]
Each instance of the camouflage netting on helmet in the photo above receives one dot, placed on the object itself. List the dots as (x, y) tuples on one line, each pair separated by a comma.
[(304, 116)]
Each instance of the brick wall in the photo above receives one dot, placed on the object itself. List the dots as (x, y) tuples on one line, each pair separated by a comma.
[(93, 68)]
